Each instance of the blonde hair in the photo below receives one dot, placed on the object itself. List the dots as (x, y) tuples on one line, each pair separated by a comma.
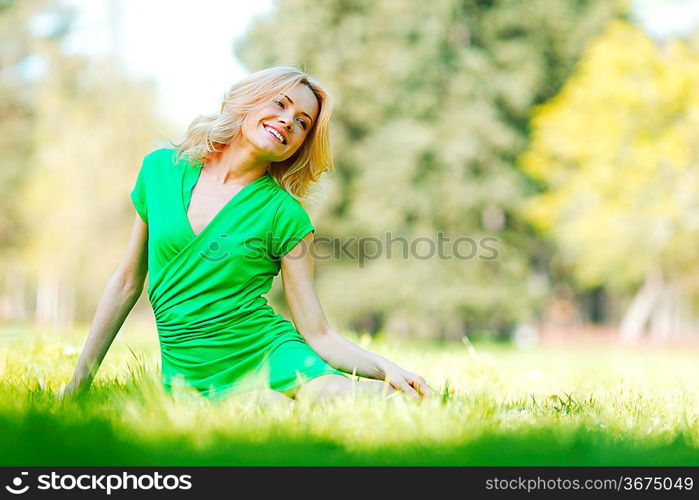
[(208, 134)]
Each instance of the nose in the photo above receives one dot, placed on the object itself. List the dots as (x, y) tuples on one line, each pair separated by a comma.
[(285, 122)]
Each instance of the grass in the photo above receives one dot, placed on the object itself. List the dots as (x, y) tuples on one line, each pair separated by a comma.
[(496, 405)]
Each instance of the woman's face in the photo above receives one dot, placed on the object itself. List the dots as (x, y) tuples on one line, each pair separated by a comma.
[(278, 127)]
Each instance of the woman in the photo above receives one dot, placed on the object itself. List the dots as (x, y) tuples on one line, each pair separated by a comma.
[(217, 218)]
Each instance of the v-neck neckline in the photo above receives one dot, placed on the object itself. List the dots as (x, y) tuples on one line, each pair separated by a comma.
[(188, 189)]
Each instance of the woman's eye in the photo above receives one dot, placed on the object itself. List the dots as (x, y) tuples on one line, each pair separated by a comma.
[(303, 123), (279, 103)]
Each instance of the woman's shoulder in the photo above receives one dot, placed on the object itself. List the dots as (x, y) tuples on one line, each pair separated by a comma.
[(161, 156), (286, 207), (281, 195), (284, 199), (165, 161)]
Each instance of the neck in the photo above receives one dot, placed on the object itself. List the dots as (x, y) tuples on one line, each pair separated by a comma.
[(237, 163)]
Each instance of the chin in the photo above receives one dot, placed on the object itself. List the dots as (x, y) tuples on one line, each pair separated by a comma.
[(273, 156)]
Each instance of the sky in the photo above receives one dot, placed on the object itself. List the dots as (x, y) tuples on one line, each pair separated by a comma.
[(156, 38), (663, 18)]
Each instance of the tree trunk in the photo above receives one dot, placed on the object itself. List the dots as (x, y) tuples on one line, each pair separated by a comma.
[(659, 307), (639, 312), (672, 316)]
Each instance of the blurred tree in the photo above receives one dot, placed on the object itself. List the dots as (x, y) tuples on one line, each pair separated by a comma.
[(89, 127), (20, 40), (93, 127), (432, 104), (618, 149), (24, 33)]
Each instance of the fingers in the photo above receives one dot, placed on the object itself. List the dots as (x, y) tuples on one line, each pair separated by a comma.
[(411, 384), (421, 387), (419, 384), (61, 392), (404, 386), (69, 392)]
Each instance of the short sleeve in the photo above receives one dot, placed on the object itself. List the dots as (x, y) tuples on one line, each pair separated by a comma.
[(291, 224), (138, 194)]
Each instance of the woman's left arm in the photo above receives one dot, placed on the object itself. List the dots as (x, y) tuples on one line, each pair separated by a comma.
[(297, 268)]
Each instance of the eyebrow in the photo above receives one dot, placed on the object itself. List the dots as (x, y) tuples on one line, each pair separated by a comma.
[(303, 112)]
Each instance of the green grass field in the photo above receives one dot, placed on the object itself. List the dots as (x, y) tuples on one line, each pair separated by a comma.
[(496, 405)]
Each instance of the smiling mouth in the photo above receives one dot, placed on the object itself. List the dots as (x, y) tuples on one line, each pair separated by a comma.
[(274, 134)]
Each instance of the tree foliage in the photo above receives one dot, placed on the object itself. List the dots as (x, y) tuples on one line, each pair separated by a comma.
[(432, 103), (618, 152), (81, 127)]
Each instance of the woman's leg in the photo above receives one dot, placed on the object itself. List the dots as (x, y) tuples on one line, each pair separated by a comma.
[(267, 397), (331, 386)]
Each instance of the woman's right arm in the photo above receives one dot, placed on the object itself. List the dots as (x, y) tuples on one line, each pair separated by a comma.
[(120, 295)]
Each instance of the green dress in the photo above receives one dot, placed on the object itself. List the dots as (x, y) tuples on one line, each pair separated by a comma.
[(217, 332)]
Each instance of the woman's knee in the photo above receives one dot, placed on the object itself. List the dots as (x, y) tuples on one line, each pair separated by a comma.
[(331, 386), (324, 386), (376, 387), (267, 397)]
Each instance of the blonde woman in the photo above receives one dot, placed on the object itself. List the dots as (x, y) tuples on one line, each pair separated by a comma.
[(218, 216)]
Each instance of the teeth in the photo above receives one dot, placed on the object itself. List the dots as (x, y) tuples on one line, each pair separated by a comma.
[(276, 134)]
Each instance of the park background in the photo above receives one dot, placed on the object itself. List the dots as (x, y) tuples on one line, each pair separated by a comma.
[(568, 130)]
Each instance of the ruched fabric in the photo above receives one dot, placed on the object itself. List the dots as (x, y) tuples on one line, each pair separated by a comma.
[(217, 333)]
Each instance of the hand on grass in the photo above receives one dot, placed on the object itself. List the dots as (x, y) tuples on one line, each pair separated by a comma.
[(411, 384), (69, 391)]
